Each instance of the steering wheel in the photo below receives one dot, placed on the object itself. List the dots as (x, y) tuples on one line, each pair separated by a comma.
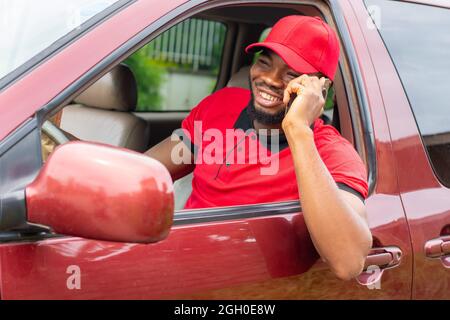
[(55, 133)]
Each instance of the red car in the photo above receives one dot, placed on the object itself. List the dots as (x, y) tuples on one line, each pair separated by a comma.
[(55, 218)]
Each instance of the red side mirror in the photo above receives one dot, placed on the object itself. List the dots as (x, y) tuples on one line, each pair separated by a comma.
[(101, 192)]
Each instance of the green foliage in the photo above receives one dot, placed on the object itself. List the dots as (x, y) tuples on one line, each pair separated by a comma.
[(179, 50), (149, 76), (331, 99)]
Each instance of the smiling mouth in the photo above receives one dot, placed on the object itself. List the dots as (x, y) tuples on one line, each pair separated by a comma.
[(267, 98)]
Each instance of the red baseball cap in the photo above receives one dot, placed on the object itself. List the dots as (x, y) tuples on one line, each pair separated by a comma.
[(306, 44)]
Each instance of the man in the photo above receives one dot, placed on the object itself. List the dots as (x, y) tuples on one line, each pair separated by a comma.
[(289, 81)]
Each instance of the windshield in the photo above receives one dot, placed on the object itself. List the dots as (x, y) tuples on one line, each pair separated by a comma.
[(29, 27)]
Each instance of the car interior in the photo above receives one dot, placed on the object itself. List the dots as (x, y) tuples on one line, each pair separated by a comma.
[(106, 111)]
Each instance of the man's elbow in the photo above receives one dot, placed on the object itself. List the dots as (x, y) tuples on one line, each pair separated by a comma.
[(349, 271), (351, 267)]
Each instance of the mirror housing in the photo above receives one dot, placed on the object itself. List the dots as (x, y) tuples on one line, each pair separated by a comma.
[(101, 192)]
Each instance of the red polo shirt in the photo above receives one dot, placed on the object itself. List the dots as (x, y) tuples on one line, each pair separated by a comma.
[(244, 168)]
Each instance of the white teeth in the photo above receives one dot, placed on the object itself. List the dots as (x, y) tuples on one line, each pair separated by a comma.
[(269, 97)]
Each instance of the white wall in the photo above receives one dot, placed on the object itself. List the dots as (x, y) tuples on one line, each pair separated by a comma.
[(183, 91)]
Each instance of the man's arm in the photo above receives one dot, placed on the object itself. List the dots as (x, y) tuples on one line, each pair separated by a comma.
[(336, 219), (163, 153)]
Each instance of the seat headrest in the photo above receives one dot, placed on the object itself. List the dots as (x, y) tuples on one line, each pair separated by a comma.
[(241, 78), (116, 90)]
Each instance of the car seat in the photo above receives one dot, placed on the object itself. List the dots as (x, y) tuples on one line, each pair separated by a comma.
[(103, 112)]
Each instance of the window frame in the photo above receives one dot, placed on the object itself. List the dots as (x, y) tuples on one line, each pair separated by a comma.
[(445, 184)]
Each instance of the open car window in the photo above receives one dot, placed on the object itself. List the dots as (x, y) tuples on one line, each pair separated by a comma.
[(179, 59), (180, 67)]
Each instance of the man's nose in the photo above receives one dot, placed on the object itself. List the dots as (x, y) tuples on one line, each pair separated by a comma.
[(273, 78)]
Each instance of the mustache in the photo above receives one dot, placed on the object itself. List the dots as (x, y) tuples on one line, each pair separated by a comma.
[(262, 84), (263, 117)]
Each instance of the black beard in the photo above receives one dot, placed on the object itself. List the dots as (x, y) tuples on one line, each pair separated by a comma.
[(263, 117)]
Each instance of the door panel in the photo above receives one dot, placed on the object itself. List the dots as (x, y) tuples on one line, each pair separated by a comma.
[(426, 201), (269, 258), (194, 260), (385, 210)]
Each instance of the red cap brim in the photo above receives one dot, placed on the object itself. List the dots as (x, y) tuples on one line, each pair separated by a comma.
[(289, 56)]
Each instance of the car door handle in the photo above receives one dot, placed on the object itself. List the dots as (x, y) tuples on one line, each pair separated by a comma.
[(378, 260), (384, 257), (438, 247)]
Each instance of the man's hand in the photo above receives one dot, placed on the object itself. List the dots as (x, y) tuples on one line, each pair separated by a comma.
[(309, 103)]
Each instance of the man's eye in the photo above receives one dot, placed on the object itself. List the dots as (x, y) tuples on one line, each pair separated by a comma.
[(292, 75), (263, 62)]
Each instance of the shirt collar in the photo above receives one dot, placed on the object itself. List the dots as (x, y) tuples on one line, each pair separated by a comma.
[(244, 123)]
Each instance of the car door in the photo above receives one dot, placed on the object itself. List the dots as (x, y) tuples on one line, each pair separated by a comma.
[(257, 251), (414, 88)]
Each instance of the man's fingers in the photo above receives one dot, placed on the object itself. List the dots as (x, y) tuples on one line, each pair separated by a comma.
[(286, 96), (287, 93), (293, 87), (303, 78), (325, 82), (298, 84), (296, 88), (290, 89)]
